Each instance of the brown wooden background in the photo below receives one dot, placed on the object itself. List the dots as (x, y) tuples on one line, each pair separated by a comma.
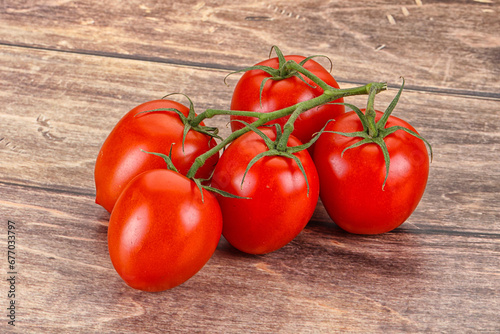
[(70, 69)]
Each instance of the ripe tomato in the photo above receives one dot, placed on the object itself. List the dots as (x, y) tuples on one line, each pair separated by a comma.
[(121, 159), (160, 232), (351, 184), (278, 207), (278, 94)]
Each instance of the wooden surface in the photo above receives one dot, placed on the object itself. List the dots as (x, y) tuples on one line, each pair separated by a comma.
[(70, 69)]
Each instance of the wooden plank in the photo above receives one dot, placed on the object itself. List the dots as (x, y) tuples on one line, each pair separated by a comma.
[(412, 280), (70, 69), (42, 147), (79, 98), (437, 273), (449, 45), (53, 102)]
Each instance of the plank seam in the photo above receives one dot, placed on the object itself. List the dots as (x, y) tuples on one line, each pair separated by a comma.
[(66, 191), (464, 93)]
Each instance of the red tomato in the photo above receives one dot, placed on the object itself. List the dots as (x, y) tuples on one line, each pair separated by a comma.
[(121, 159), (278, 94), (279, 206), (351, 185), (160, 232)]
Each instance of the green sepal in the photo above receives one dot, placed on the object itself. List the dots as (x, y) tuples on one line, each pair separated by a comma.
[(297, 74), (356, 144), (358, 112), (378, 139), (273, 72), (269, 143), (261, 89), (224, 193), (170, 166), (316, 56), (206, 130), (187, 127), (381, 143), (385, 117), (395, 128), (214, 190), (200, 188), (281, 57), (295, 149), (253, 161), (301, 167), (367, 140), (167, 158), (274, 153), (191, 113), (281, 73)]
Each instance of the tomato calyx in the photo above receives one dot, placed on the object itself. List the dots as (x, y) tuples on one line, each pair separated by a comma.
[(199, 182), (189, 121), (375, 132), (277, 148), (286, 69)]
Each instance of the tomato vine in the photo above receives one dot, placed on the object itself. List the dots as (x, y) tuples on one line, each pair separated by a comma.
[(262, 191), (329, 94)]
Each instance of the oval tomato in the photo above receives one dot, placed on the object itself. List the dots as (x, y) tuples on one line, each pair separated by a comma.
[(121, 159), (278, 207), (160, 232), (278, 94), (351, 184)]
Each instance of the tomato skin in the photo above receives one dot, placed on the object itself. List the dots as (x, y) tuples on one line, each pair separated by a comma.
[(351, 185), (279, 207), (160, 232), (285, 93), (121, 159)]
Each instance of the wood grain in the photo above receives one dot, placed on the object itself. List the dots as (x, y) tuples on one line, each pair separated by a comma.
[(403, 281), (70, 69), (46, 140), (325, 280), (362, 43)]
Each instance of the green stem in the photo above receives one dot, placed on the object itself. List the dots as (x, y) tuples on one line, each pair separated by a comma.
[(370, 113), (200, 160), (314, 78), (209, 113), (291, 65), (329, 95), (287, 130)]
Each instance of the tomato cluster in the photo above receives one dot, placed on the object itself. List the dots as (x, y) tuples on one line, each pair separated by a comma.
[(171, 196)]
